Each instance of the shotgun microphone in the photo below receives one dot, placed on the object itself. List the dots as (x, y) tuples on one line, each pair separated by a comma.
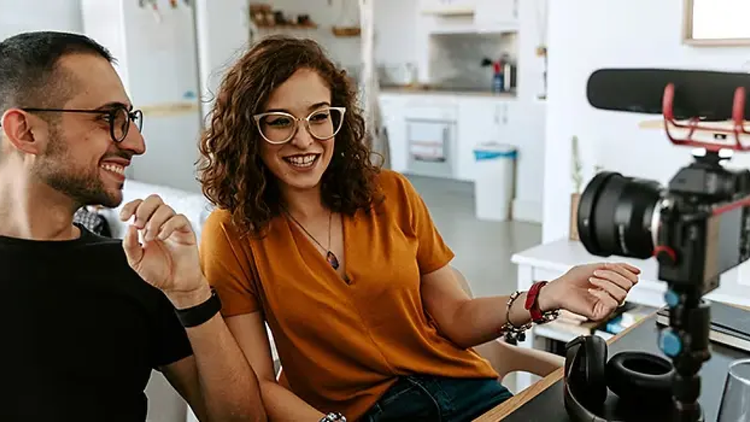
[(704, 94)]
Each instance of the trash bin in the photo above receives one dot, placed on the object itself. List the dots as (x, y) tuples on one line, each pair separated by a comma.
[(495, 181)]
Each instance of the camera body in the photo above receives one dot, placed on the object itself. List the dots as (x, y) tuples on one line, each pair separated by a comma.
[(697, 227)]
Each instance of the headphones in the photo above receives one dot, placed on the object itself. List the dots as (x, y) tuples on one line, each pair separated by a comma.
[(635, 377)]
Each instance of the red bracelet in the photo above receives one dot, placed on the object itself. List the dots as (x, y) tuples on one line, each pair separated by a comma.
[(532, 302)]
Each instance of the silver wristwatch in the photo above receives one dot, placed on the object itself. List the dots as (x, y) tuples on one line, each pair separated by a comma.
[(333, 417)]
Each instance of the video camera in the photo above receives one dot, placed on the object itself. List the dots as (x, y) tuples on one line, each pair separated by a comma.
[(698, 226)]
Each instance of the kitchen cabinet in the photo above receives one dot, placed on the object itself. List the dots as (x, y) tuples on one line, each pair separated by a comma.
[(430, 147), (496, 15), (463, 123), (431, 136)]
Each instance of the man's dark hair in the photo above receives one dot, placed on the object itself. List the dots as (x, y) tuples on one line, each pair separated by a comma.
[(28, 66)]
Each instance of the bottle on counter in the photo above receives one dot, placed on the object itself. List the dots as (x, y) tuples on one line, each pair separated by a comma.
[(498, 82)]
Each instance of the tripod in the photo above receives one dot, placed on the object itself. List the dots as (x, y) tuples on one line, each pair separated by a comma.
[(686, 342)]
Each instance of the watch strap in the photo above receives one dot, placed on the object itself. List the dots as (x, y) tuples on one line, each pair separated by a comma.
[(532, 302), (199, 314)]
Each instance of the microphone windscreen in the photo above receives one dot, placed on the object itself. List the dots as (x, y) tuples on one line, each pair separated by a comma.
[(698, 93)]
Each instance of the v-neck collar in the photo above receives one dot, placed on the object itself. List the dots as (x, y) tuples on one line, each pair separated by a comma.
[(296, 233)]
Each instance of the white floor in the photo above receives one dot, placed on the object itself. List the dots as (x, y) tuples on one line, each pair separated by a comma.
[(483, 249)]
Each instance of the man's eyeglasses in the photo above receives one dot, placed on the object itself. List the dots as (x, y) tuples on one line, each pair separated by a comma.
[(278, 127), (118, 117)]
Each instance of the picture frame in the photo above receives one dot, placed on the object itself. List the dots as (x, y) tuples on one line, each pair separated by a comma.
[(715, 23)]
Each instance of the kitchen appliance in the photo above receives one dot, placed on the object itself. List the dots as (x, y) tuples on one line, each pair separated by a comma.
[(431, 140)]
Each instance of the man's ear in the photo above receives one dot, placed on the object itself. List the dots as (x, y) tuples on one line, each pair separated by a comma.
[(17, 126)]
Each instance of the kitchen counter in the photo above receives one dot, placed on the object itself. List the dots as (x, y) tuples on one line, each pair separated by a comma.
[(440, 90)]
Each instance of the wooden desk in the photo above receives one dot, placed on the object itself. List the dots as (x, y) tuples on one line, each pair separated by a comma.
[(543, 401), (550, 260)]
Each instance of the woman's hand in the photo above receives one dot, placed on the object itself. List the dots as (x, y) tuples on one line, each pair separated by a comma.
[(593, 290)]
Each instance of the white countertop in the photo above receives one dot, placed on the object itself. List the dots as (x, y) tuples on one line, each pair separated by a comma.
[(407, 90), (561, 255)]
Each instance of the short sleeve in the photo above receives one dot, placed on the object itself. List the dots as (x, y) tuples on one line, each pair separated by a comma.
[(432, 252), (169, 336), (227, 267)]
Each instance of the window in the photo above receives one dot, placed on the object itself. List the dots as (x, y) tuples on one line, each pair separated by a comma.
[(716, 22)]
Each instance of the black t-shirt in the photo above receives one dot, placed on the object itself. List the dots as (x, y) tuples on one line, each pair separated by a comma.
[(80, 333)]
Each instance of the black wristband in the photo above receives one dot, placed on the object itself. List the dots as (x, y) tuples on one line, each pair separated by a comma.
[(200, 313)]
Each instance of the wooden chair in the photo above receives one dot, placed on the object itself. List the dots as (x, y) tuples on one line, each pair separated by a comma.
[(507, 358)]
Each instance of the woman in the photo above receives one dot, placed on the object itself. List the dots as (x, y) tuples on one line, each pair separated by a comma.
[(342, 260)]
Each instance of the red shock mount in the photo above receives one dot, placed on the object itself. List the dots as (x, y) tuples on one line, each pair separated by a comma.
[(693, 124)]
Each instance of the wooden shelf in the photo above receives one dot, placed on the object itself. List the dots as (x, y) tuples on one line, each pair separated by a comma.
[(449, 11), (346, 31)]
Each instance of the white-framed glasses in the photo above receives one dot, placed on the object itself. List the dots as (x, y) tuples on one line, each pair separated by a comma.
[(278, 127)]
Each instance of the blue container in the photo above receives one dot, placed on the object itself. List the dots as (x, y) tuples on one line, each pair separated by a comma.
[(489, 153), (498, 81)]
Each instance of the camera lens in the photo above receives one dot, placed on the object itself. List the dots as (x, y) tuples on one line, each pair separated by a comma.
[(616, 215)]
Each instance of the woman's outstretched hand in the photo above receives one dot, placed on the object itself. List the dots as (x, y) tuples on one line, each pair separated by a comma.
[(592, 290)]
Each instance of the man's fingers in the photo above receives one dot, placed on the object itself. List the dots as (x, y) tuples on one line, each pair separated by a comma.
[(145, 210), (178, 223), (132, 247), (156, 221), (128, 209), (615, 291)]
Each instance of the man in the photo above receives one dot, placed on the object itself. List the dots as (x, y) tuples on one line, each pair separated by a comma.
[(86, 318)]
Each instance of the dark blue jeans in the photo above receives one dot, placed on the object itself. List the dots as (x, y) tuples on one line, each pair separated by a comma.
[(427, 398)]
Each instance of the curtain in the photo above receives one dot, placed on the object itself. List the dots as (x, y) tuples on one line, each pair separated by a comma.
[(369, 86)]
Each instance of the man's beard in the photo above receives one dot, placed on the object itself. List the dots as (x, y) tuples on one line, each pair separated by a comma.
[(83, 186)]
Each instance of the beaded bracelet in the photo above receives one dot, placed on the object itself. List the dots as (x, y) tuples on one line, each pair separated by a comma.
[(514, 334), (333, 417)]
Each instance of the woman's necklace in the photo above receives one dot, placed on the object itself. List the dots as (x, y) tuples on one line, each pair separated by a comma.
[(330, 256)]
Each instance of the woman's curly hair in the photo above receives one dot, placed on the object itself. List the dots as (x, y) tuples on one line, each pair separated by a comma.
[(232, 174)]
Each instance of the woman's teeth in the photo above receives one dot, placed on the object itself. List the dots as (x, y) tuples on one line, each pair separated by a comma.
[(302, 160), (114, 168)]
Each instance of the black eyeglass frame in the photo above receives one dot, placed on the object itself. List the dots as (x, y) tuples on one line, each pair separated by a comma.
[(133, 116)]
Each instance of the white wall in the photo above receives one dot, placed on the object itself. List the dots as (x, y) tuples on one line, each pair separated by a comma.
[(222, 29), (586, 35), (159, 67), (163, 70), (531, 139), (33, 15), (110, 32), (395, 32)]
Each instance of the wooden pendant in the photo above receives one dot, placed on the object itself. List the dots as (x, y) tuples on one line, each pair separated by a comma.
[(332, 260)]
